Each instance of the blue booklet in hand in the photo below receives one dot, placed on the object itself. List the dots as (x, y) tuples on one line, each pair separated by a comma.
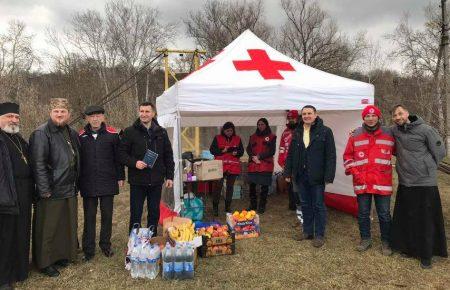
[(150, 158)]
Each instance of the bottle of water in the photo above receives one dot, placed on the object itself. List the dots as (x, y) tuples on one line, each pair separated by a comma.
[(168, 262), (134, 257), (189, 262), (179, 262), (157, 256), (150, 263), (142, 265)]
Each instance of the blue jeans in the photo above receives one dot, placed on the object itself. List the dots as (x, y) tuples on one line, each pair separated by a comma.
[(313, 207), (382, 204)]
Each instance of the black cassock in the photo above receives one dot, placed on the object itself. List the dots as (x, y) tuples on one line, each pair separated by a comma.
[(15, 229), (418, 227)]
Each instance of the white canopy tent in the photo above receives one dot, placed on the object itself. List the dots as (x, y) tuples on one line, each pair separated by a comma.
[(249, 80)]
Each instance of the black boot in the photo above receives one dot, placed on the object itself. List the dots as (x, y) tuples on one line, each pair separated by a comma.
[(253, 198), (215, 209), (227, 205), (263, 199)]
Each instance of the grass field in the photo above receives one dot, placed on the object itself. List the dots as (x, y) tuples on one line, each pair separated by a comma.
[(274, 260)]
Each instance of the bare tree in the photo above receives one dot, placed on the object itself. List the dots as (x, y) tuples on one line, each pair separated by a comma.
[(220, 22), (419, 51), (311, 36), (137, 32), (16, 58)]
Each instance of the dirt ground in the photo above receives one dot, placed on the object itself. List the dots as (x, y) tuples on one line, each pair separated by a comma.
[(273, 260)]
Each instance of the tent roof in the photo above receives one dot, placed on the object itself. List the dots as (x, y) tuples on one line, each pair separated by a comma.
[(249, 75)]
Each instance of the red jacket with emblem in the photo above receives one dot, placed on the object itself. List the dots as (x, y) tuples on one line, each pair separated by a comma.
[(264, 147), (231, 162), (367, 158), (285, 142)]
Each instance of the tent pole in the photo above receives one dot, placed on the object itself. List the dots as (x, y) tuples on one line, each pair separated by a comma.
[(180, 160)]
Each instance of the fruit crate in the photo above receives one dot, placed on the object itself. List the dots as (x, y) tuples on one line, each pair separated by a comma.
[(244, 229), (218, 246), (216, 243)]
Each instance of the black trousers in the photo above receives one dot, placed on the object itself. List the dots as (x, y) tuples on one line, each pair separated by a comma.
[(262, 197), (294, 201), (231, 178), (138, 194), (90, 205)]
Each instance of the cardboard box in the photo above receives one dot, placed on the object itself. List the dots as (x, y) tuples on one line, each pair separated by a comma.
[(208, 170), (173, 221)]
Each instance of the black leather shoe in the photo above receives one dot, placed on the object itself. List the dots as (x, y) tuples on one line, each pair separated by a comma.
[(6, 287), (62, 263), (50, 271), (87, 257), (108, 252), (425, 263)]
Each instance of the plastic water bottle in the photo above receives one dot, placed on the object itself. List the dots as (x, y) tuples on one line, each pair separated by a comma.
[(168, 262), (189, 262), (150, 265), (157, 256), (134, 257), (142, 268), (179, 262)]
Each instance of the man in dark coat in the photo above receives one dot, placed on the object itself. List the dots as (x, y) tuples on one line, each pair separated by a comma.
[(55, 160), (16, 190), (101, 176), (418, 228), (146, 136), (311, 164)]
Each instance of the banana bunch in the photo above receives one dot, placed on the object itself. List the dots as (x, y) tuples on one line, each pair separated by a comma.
[(182, 233)]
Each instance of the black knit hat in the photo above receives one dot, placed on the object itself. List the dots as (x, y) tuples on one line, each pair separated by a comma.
[(8, 107)]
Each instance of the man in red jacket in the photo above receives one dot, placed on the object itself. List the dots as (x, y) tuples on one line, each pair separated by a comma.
[(367, 158), (285, 142)]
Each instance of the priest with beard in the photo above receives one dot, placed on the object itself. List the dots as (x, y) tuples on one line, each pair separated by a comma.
[(55, 160), (16, 191)]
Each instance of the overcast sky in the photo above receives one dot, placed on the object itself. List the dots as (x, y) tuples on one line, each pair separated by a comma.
[(376, 17)]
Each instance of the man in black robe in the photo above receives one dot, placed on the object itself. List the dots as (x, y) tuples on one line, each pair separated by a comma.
[(16, 190), (418, 224), (54, 150)]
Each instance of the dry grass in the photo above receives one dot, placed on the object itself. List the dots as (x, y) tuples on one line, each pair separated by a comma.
[(274, 260)]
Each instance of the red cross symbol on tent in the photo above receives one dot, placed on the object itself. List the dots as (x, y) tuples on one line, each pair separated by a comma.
[(260, 61)]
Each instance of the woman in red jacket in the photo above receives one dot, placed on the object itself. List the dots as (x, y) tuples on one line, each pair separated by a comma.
[(261, 149), (227, 147)]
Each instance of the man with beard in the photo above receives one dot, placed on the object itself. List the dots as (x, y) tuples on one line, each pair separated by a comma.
[(16, 190), (418, 224), (285, 142), (55, 160)]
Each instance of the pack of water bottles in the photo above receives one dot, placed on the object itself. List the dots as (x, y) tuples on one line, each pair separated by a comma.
[(143, 258), (178, 261)]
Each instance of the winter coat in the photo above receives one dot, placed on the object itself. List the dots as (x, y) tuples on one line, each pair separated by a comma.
[(419, 151), (133, 145), (8, 195), (100, 166), (318, 160), (285, 142), (367, 157), (51, 156)]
